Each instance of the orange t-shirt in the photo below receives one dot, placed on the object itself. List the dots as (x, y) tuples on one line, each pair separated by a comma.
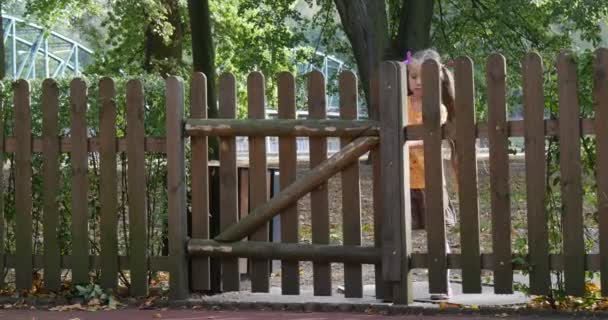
[(417, 152)]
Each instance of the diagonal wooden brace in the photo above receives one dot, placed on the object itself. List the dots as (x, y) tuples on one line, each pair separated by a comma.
[(298, 189)]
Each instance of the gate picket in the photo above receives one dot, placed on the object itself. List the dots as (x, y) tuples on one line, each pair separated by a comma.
[(351, 190), (290, 270), (228, 179), (260, 268), (319, 198)]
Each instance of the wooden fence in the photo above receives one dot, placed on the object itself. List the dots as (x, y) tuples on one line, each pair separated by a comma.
[(384, 135)]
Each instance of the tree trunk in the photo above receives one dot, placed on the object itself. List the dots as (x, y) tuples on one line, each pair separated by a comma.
[(365, 23), (165, 56), (203, 57)]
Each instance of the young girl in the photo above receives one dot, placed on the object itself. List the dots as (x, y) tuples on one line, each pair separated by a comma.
[(417, 183)]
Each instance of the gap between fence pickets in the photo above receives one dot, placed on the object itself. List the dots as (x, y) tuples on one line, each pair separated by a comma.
[(297, 189)]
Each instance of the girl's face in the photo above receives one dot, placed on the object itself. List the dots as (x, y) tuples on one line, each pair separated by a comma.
[(414, 79)]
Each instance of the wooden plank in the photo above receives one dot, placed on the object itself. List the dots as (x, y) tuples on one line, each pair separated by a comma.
[(200, 182), (286, 251), (50, 180), (136, 180), (351, 190), (467, 175), (80, 181), (176, 189), (515, 128), (382, 287), (319, 197), (534, 112), (2, 190), (396, 206), (283, 127), (23, 185), (433, 175), (600, 90), (499, 174), (258, 182), (228, 179), (571, 184), (290, 270), (108, 189)]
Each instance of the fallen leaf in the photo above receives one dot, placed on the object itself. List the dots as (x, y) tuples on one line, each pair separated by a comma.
[(158, 315)]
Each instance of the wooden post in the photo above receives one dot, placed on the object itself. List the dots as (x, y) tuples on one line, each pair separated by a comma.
[(2, 188), (80, 182), (23, 185), (136, 174), (319, 197), (571, 180), (176, 188), (600, 89), (51, 176), (200, 182), (534, 112), (395, 182)]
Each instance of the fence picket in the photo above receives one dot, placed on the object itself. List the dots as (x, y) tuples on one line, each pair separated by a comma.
[(260, 268), (108, 188), (50, 133), (351, 190), (80, 182), (228, 179), (538, 240), (2, 190), (319, 198), (200, 182), (290, 271), (467, 175), (600, 88), (498, 137), (570, 168), (176, 189), (433, 175), (136, 180), (23, 185)]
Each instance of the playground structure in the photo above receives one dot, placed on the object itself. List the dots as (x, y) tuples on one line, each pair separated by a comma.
[(384, 136)]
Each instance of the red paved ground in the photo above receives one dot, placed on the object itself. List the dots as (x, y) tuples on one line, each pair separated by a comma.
[(218, 315)]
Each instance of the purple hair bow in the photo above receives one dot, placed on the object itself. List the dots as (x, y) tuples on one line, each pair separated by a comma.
[(408, 58)]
